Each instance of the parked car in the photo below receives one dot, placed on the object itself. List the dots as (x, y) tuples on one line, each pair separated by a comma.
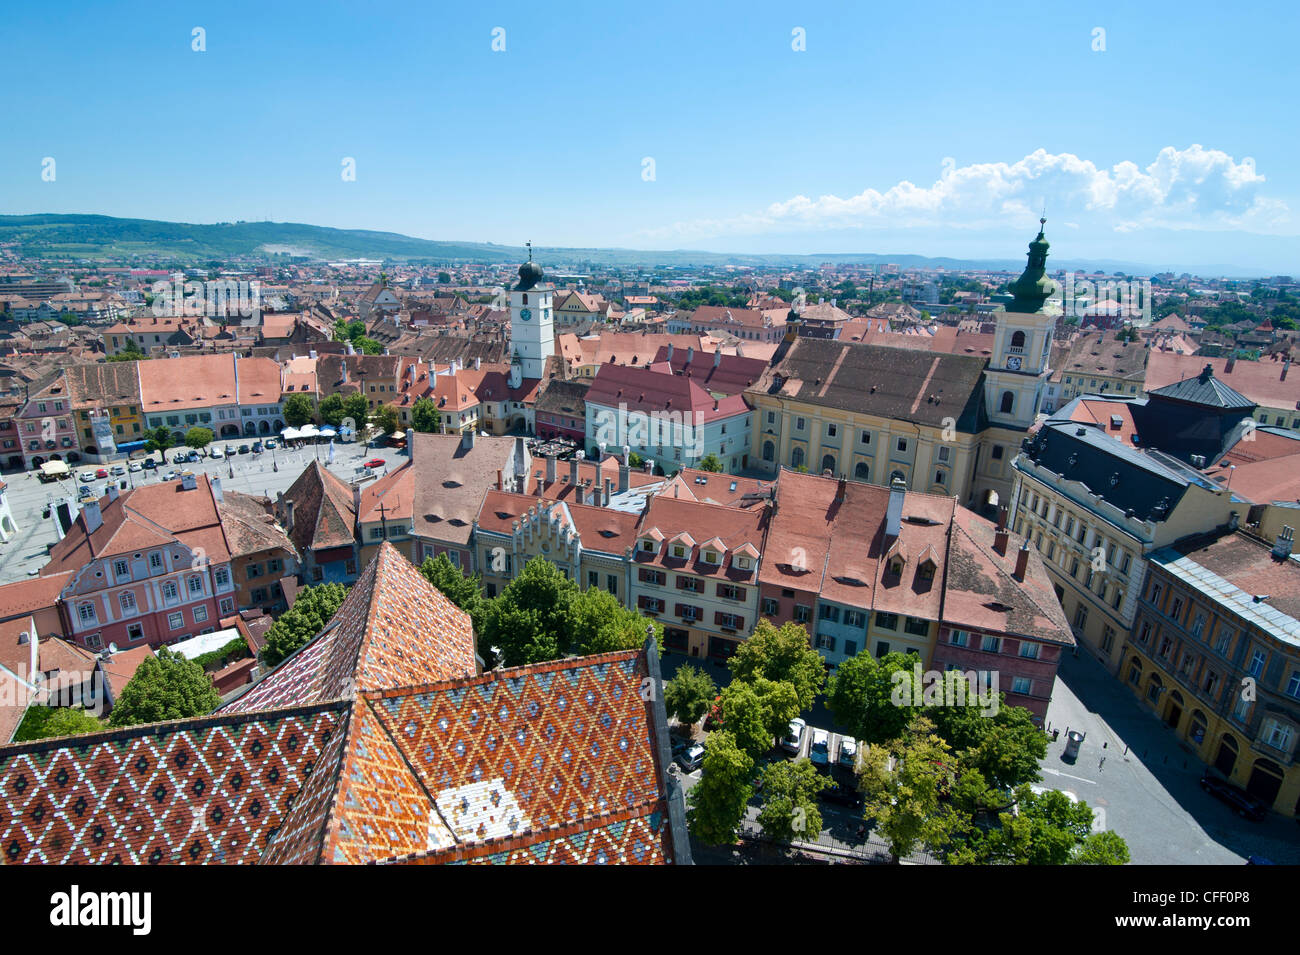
[(270, 443), (194, 457), (691, 758), (230, 452), (257, 447), (135, 467), (101, 472), (150, 464), (243, 449), (792, 742), (85, 491), (171, 475), (85, 477), (376, 463), (215, 452), (1240, 801), (179, 458), (820, 749), (848, 755)]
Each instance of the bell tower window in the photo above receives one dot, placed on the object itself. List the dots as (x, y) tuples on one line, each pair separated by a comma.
[(1008, 400), (1017, 343)]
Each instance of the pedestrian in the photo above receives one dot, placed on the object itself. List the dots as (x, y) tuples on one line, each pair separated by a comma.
[(1101, 764)]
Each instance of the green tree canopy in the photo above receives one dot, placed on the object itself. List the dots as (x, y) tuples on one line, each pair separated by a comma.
[(531, 619), (198, 438), (601, 624), (298, 410), (862, 696), (465, 592), (1046, 829), (711, 462), (356, 407), (159, 438), (1005, 748), (385, 419), (301, 622), (790, 809), (718, 801), (1102, 848), (165, 687), (782, 655), (689, 694), (48, 722), (331, 410), (905, 785), (425, 417)]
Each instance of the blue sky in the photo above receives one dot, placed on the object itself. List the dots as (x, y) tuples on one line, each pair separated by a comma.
[(936, 129)]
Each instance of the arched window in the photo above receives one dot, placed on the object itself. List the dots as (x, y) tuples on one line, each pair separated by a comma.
[(769, 451), (1008, 400), (828, 463), (1018, 341), (862, 472), (896, 476), (796, 457)]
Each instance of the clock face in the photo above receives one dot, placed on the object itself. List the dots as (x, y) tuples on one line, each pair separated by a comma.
[(525, 314), (1014, 362)]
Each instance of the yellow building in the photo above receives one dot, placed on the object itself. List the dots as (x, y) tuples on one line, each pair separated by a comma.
[(1215, 653)]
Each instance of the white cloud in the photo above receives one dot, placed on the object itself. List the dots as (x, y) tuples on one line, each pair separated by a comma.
[(1193, 188)]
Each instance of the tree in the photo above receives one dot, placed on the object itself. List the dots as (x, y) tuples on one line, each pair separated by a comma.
[(198, 438), (862, 696), (444, 277), (465, 592), (425, 417), (298, 410), (130, 352), (530, 621), (904, 785), (1045, 829), (689, 694), (165, 687), (718, 800), (1005, 748), (1102, 848), (300, 623), (790, 810), (158, 439), (783, 655), (385, 419), (746, 719), (356, 407), (634, 460), (711, 462), (331, 409), (601, 624), (47, 722)]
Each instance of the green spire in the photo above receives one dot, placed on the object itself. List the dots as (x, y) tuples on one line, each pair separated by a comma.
[(1033, 288)]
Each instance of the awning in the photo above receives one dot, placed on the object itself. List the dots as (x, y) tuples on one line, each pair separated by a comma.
[(308, 431), (398, 436), (54, 469), (327, 432), (291, 434)]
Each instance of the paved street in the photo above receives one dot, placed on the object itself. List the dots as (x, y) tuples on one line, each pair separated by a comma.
[(262, 474)]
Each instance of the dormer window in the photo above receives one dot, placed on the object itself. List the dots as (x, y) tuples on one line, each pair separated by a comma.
[(648, 546), (926, 570), (896, 566), (679, 551), (710, 557)]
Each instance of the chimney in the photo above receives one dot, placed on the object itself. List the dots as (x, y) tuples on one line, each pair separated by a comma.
[(550, 469), (467, 439), (410, 444), (92, 516), (1286, 366), (670, 351), (609, 490), (624, 473), (1022, 560), (690, 354), (841, 490), (894, 512), (717, 357), (1227, 369), (1002, 518), (1000, 539), (356, 500), (478, 363), (573, 469), (1282, 549), (112, 493), (288, 514), (217, 493), (501, 481), (188, 481), (648, 466)]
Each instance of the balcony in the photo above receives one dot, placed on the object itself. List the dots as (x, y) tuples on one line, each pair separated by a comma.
[(1282, 757)]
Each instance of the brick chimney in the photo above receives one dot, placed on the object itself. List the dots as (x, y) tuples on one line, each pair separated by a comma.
[(1002, 518), (1000, 540), (1022, 560), (501, 481), (550, 470), (841, 490), (410, 444), (1227, 369), (573, 469), (1285, 541), (92, 516), (1286, 366), (609, 490)]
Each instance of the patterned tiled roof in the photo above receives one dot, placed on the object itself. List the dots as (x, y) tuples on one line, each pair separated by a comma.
[(393, 751), (202, 790)]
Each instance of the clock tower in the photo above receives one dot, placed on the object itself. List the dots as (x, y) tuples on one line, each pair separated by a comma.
[(1022, 345), (532, 323)]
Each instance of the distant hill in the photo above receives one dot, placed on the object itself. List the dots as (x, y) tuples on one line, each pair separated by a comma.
[(152, 241)]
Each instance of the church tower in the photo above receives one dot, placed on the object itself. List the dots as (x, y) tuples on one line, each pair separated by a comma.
[(1022, 345), (532, 323)]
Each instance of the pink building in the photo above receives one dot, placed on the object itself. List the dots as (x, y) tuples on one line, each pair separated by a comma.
[(149, 567)]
